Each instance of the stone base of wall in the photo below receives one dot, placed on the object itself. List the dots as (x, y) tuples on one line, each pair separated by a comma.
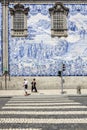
[(71, 82)]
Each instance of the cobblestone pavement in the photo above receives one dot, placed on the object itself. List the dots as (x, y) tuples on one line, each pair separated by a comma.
[(43, 112)]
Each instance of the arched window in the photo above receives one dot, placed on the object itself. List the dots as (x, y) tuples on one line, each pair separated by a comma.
[(19, 20), (59, 20)]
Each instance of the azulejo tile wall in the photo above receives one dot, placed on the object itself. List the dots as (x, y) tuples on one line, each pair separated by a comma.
[(0, 39), (41, 55)]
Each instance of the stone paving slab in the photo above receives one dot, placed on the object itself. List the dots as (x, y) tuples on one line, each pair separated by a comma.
[(43, 92)]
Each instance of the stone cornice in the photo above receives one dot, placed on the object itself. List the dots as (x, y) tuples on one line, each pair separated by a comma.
[(19, 7), (4, 2), (59, 7), (44, 1)]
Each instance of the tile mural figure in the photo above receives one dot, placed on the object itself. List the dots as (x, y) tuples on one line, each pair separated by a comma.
[(82, 32)]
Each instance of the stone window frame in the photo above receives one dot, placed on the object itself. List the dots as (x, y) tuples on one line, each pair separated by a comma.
[(19, 14), (59, 15)]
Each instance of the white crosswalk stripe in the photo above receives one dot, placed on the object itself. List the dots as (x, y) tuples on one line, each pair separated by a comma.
[(34, 100), (42, 104), (36, 120), (44, 113), (22, 129), (42, 110), (42, 107)]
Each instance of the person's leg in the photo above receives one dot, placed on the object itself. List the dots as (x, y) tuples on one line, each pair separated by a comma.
[(32, 88), (35, 89), (25, 92)]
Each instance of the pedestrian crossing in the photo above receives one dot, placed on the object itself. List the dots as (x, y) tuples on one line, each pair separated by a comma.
[(37, 112)]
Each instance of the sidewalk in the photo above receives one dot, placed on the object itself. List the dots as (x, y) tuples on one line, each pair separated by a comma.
[(5, 93)]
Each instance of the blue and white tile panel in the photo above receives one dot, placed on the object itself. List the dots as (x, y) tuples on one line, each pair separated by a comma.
[(0, 39), (41, 55)]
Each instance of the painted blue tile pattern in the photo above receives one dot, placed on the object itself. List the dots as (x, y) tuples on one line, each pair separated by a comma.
[(40, 55), (0, 40)]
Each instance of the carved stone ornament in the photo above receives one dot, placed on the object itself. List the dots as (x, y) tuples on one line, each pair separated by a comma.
[(19, 7), (59, 30), (19, 32), (59, 7)]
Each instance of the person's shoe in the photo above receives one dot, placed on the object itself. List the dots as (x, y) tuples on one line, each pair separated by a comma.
[(27, 94)]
